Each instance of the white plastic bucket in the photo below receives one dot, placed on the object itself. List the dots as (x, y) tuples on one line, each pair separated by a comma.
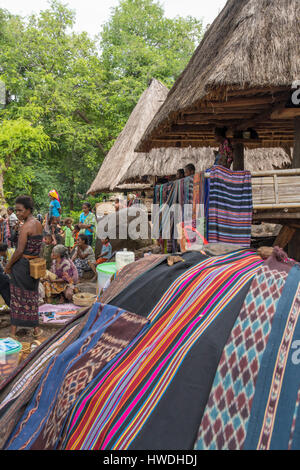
[(9, 355), (105, 271)]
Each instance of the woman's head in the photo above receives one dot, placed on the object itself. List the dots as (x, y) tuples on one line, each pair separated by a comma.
[(68, 222), (24, 207), (189, 170), (180, 174), (83, 240), (53, 195), (86, 207), (48, 239), (60, 251)]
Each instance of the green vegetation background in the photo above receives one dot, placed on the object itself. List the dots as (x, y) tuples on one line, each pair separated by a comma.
[(68, 95)]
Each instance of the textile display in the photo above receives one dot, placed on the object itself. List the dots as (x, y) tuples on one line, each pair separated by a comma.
[(110, 413), (254, 401), (106, 333), (146, 290), (129, 274), (187, 191), (230, 206), (18, 389), (24, 302)]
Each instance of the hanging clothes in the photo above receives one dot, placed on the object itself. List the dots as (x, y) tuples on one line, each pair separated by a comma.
[(230, 206)]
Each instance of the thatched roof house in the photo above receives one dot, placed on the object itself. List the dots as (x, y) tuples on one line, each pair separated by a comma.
[(166, 161), (122, 153), (241, 76)]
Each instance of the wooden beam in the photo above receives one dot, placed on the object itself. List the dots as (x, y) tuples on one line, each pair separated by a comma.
[(244, 103), (265, 115), (286, 113), (285, 236)]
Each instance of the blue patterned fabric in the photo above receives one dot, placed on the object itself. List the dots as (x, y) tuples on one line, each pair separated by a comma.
[(278, 384)]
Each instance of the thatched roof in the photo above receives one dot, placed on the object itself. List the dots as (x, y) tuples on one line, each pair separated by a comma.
[(166, 162), (240, 76), (122, 153)]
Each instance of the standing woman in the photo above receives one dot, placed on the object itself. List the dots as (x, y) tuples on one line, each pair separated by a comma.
[(54, 207), (87, 222), (24, 289), (224, 156)]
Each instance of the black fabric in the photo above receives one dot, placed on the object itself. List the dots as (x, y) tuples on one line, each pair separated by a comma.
[(142, 295), (174, 423), (4, 286)]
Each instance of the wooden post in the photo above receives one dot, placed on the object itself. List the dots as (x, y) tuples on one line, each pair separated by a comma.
[(296, 158), (238, 162), (294, 246)]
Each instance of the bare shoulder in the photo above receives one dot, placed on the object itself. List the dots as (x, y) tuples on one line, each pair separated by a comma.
[(33, 227)]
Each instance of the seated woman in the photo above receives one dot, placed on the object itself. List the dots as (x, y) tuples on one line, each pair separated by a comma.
[(66, 275), (83, 255)]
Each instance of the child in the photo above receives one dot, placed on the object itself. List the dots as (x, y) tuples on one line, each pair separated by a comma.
[(55, 232), (106, 251), (105, 254), (68, 229), (46, 250)]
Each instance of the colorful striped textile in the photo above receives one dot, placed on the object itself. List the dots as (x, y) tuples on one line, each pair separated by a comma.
[(113, 408), (130, 274), (254, 401), (184, 192), (229, 206), (106, 333), (275, 417)]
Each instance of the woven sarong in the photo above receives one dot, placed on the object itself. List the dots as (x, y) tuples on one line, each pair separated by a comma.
[(129, 274), (254, 401), (229, 207), (107, 332), (111, 412)]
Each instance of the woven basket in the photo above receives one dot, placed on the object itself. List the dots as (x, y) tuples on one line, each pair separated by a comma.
[(84, 299), (37, 268)]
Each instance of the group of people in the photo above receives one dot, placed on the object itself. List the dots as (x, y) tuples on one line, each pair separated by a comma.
[(68, 253)]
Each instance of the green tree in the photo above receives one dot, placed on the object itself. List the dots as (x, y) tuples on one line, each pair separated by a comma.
[(139, 43), (53, 77), (72, 95)]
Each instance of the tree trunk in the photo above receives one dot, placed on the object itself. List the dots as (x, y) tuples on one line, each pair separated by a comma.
[(2, 198), (72, 193)]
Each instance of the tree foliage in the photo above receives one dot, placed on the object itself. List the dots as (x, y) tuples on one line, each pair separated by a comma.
[(69, 96)]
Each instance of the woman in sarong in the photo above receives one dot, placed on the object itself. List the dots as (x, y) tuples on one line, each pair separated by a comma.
[(66, 275), (24, 288)]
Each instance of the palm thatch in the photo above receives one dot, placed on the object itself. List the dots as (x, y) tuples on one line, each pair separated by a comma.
[(122, 153), (166, 162), (240, 76)]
